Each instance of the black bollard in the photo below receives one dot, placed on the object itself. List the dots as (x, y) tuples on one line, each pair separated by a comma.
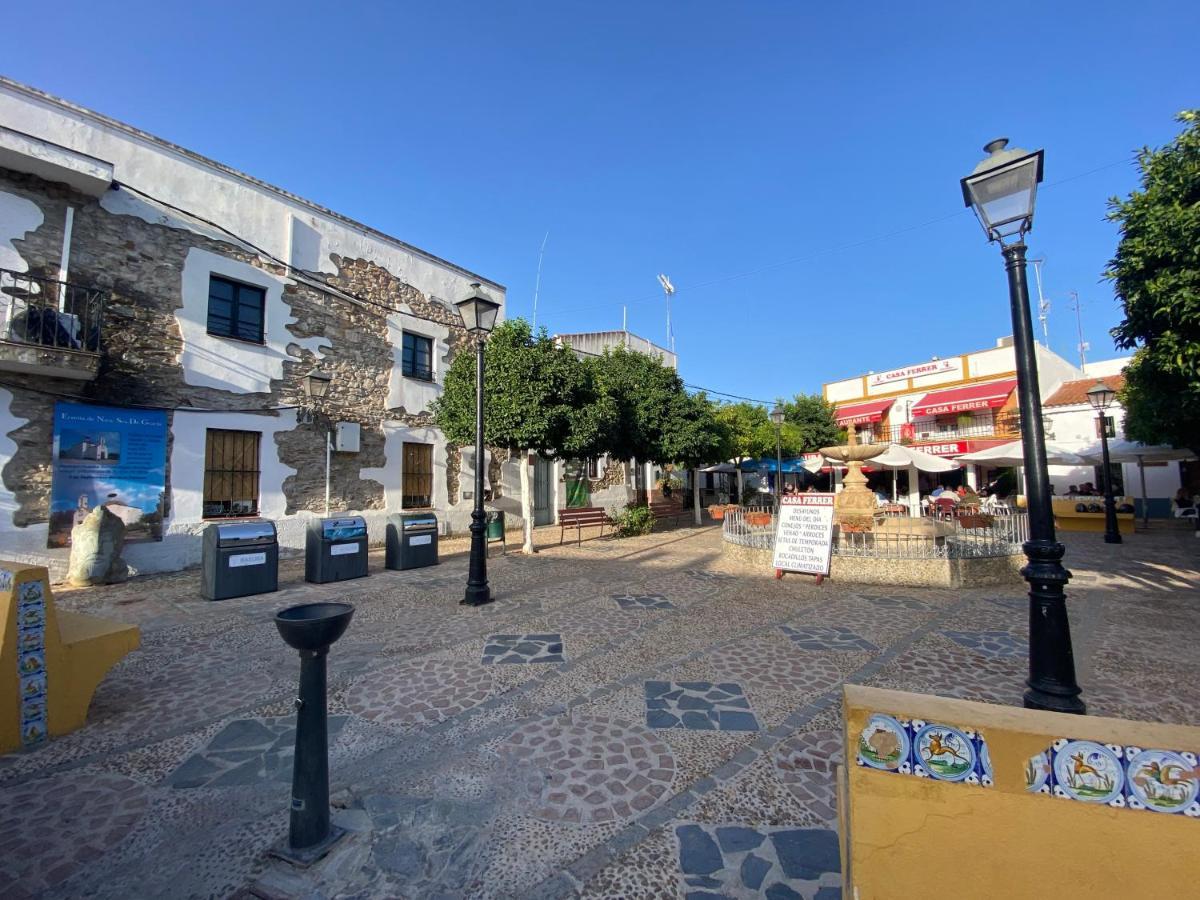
[(311, 628)]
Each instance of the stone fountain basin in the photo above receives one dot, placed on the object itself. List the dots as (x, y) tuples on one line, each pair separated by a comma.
[(913, 527), (854, 452)]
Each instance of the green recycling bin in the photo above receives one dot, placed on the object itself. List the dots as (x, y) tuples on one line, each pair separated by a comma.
[(495, 525)]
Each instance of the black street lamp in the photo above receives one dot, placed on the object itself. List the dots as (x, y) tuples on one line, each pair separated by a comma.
[(1101, 396), (777, 417), (479, 317), (1002, 190)]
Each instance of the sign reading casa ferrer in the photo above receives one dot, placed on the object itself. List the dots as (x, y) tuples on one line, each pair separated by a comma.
[(934, 367)]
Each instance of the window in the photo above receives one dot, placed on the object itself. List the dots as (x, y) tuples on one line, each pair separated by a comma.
[(235, 310), (594, 470), (231, 473), (1109, 426), (418, 356), (417, 492)]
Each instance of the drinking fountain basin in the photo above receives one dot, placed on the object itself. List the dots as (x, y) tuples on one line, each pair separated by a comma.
[(313, 626)]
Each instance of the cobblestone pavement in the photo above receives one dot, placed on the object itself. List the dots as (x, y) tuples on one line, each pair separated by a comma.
[(670, 727)]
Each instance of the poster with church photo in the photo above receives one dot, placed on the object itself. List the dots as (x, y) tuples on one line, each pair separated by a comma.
[(111, 457)]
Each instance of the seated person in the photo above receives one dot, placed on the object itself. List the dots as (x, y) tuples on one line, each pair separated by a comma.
[(937, 491), (1072, 490), (1183, 505)]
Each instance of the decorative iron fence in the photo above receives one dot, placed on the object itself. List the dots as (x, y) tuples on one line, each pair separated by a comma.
[(50, 313), (968, 537)]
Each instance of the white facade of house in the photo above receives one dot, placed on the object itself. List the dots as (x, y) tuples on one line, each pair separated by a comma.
[(60, 142)]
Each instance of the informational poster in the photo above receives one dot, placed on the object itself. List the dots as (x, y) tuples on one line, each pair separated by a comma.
[(112, 457), (804, 534)]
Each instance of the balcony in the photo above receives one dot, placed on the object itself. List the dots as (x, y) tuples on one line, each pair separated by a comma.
[(999, 425), (49, 327)]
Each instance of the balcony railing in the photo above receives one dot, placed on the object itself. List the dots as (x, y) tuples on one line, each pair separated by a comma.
[(1007, 425), (50, 313)]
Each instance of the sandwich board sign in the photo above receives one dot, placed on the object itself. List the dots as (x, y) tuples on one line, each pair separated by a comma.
[(804, 535)]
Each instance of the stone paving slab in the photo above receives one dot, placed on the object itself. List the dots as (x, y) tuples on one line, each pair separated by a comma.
[(460, 777)]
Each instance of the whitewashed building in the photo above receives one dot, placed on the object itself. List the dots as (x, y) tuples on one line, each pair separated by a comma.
[(139, 277)]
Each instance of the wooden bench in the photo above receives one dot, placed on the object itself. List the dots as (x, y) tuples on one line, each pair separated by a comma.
[(665, 509), (51, 660), (579, 518)]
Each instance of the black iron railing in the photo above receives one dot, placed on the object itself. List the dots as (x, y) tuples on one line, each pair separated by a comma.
[(50, 313)]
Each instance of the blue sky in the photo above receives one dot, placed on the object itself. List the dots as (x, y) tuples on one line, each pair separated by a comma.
[(793, 167)]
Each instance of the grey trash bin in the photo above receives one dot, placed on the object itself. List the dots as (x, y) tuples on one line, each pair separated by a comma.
[(335, 549), (238, 559), (412, 540)]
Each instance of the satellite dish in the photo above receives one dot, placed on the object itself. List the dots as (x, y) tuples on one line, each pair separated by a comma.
[(666, 284)]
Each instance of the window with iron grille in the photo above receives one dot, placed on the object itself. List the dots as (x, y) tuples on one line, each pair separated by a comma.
[(231, 473), (418, 356), (235, 310), (1109, 426), (417, 492)]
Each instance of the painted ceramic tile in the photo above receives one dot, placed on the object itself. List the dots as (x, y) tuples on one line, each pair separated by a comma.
[(33, 731), (925, 749), (884, 744), (1164, 781), (31, 641), (33, 708), (944, 753), (31, 617), (31, 592), (1089, 771), (1039, 776), (6, 580), (33, 685), (30, 662)]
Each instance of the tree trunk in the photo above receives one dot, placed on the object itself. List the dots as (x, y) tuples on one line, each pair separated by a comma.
[(741, 489), (696, 493), (526, 506)]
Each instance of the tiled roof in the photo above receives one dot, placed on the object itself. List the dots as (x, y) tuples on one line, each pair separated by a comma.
[(1075, 392)]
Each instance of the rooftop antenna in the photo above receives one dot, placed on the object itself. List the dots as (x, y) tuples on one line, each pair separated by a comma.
[(1043, 303), (1083, 345), (668, 290), (537, 284)]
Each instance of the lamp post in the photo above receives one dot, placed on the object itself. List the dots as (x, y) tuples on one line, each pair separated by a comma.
[(1002, 191), (777, 417), (479, 317), (316, 385), (1101, 397)]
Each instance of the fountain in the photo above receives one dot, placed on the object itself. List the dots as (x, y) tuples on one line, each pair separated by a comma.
[(311, 628), (854, 508)]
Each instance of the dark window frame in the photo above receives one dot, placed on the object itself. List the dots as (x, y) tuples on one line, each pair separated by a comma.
[(232, 473), (410, 360), (238, 290), (416, 475)]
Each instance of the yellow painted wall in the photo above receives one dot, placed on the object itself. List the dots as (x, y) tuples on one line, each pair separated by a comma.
[(78, 651), (910, 837)]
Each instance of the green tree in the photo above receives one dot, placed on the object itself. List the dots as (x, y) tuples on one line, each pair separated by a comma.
[(752, 434), (1156, 276), (632, 397), (813, 418), (533, 387), (694, 436)]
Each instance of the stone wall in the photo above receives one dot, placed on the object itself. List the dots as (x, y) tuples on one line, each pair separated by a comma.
[(140, 265), (947, 573)]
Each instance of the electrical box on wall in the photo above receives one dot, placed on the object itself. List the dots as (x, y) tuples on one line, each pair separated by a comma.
[(347, 437)]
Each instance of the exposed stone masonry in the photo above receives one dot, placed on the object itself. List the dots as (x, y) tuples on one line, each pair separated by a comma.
[(140, 265)]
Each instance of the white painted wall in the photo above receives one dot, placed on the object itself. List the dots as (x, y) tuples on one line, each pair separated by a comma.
[(253, 209), (240, 367), (412, 394), (18, 217)]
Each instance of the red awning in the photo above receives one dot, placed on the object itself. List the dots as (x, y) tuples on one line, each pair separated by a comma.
[(965, 399), (862, 413)]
